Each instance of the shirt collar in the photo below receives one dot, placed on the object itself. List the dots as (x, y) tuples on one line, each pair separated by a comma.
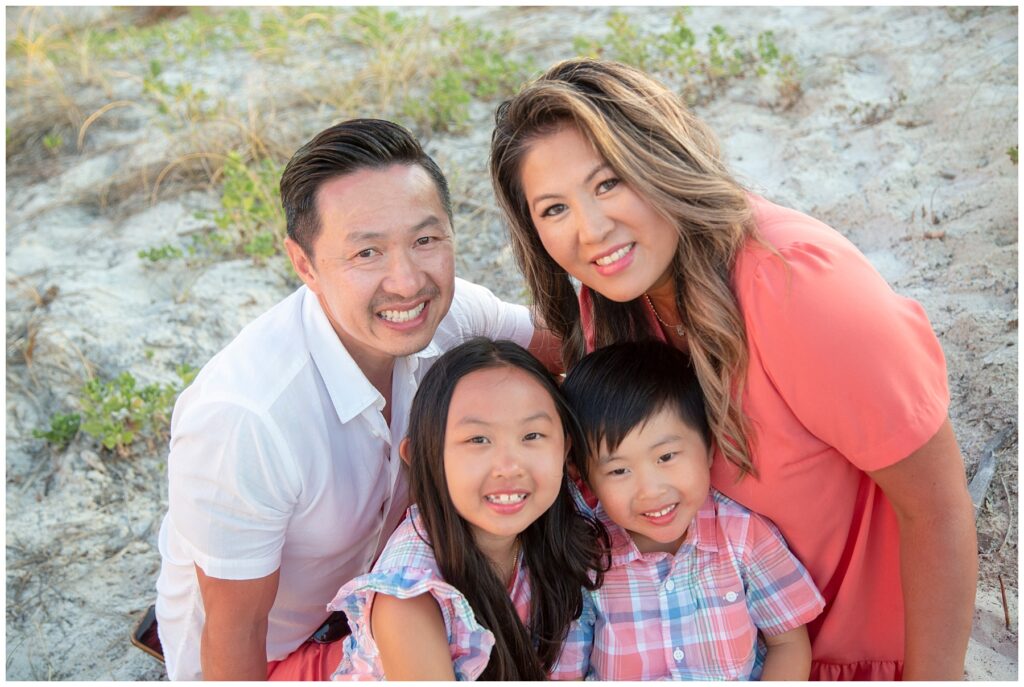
[(703, 534), (349, 389)]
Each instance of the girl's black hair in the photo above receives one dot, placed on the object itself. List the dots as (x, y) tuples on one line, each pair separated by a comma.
[(619, 387), (564, 550)]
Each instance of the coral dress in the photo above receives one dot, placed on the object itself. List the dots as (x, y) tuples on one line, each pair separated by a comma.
[(845, 376)]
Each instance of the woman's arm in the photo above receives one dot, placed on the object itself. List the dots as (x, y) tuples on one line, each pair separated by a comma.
[(789, 655), (938, 555), (411, 638)]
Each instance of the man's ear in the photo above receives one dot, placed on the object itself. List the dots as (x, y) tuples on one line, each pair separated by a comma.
[(302, 264), (405, 450)]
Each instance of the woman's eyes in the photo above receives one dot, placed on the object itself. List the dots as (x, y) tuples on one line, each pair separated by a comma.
[(551, 211), (607, 185)]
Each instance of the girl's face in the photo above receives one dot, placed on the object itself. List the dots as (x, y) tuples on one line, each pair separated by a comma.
[(654, 483), (504, 451), (593, 224)]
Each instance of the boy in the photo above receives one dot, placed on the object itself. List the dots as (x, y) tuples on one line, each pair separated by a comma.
[(695, 577)]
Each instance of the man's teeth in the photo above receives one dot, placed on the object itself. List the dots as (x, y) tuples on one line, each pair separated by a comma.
[(616, 256), (402, 315), (664, 511), (505, 499)]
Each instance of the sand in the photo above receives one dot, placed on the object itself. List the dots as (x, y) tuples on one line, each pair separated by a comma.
[(899, 140)]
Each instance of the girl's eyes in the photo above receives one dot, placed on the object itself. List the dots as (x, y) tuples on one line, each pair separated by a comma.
[(479, 440), (617, 472), (533, 435)]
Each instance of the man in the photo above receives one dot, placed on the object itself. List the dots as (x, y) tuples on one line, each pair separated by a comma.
[(285, 479)]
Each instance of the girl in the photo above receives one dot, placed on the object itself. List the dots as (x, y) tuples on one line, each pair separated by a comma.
[(709, 586), (827, 395), (485, 575)]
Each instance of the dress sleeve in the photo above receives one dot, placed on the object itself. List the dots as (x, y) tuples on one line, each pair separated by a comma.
[(858, 365), (470, 642), (574, 661), (232, 489), (780, 593)]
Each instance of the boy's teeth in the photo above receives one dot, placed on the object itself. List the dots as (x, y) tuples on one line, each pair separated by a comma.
[(664, 511), (402, 315), (505, 499), (617, 255)]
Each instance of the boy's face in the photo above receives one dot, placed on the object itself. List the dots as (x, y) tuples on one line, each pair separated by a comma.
[(654, 482)]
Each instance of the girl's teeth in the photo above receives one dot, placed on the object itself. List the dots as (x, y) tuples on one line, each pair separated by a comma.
[(402, 315), (663, 511), (505, 499), (614, 257)]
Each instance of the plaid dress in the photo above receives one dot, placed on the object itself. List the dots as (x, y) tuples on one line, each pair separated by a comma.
[(407, 568), (694, 615)]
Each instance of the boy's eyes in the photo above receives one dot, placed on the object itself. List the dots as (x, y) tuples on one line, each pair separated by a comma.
[(664, 458)]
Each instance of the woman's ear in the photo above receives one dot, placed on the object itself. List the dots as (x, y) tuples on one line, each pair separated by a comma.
[(405, 450)]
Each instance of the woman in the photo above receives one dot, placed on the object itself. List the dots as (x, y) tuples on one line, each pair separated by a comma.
[(826, 391)]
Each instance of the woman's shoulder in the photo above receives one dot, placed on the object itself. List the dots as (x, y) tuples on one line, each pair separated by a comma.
[(784, 231)]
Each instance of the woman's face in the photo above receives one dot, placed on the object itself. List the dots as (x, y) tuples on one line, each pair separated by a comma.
[(591, 222)]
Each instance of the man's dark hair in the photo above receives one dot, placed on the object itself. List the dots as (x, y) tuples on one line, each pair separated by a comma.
[(342, 149)]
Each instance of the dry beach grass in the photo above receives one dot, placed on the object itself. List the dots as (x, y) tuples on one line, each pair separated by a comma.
[(143, 147)]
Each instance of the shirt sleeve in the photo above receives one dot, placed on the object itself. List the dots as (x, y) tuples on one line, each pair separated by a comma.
[(469, 641), (480, 313), (232, 489), (780, 593), (574, 661), (858, 365)]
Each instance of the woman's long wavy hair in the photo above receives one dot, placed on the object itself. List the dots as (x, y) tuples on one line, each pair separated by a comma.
[(564, 550), (671, 158)]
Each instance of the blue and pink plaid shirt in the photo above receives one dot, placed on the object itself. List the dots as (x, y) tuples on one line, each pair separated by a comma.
[(407, 568), (694, 615)]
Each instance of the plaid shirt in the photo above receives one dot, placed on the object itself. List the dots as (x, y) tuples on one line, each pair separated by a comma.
[(407, 568), (694, 615)]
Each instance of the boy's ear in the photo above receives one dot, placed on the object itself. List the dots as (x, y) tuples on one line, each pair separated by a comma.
[(405, 450), (570, 468)]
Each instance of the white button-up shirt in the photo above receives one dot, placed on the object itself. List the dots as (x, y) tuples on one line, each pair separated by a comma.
[(281, 459)]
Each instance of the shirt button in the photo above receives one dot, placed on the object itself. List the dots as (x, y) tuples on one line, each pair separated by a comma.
[(731, 596), (670, 585), (678, 654)]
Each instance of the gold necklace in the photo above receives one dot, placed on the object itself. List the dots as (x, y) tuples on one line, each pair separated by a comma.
[(677, 328)]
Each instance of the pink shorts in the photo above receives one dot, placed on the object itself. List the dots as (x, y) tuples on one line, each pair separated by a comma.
[(311, 661)]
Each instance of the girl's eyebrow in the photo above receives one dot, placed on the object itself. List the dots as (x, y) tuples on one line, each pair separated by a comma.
[(474, 420)]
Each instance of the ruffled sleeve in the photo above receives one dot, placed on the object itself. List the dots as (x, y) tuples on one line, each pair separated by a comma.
[(470, 642), (858, 365)]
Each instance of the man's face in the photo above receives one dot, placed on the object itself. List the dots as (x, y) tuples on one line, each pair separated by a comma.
[(383, 266)]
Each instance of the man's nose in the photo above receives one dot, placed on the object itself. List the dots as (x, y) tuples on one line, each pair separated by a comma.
[(405, 276)]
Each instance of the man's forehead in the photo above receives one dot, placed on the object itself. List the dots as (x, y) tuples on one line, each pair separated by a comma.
[(397, 197)]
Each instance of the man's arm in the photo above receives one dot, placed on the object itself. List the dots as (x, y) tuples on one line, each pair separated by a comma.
[(938, 555), (234, 641)]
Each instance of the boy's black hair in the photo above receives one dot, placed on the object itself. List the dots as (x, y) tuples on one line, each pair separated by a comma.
[(619, 387)]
